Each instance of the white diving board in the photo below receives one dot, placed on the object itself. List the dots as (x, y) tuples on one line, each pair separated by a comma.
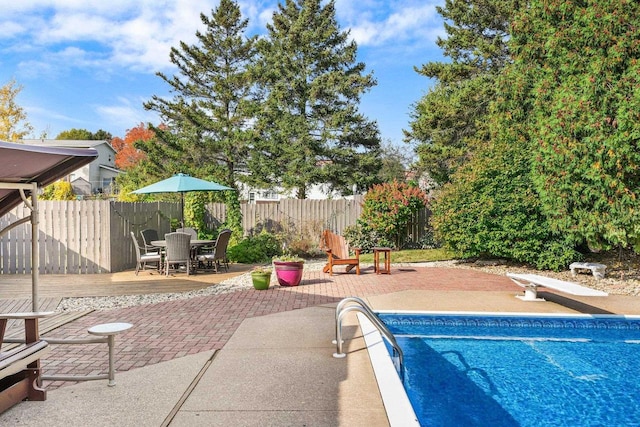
[(530, 283)]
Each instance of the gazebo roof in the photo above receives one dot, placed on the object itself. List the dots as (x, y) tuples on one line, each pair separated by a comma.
[(25, 164)]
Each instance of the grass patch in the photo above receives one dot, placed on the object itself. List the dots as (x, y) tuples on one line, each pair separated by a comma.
[(414, 255)]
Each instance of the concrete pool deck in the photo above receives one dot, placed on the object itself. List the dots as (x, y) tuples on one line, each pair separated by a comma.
[(264, 358)]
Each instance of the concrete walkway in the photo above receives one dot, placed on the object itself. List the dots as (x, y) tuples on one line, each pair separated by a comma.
[(262, 358)]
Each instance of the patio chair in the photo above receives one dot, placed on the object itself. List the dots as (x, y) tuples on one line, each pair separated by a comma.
[(149, 235), (188, 230), (218, 253), (143, 259), (178, 251), (338, 253), (194, 236)]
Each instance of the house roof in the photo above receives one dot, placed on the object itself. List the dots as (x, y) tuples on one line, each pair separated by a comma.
[(70, 143), (25, 164), (109, 168)]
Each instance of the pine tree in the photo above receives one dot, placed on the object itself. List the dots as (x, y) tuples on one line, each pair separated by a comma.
[(311, 131), (450, 117), (562, 166), (207, 125), (208, 120)]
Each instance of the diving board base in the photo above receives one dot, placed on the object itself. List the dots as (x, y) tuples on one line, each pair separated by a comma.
[(530, 294)]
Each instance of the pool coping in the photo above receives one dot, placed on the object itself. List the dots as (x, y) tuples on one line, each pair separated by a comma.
[(394, 397), (510, 314)]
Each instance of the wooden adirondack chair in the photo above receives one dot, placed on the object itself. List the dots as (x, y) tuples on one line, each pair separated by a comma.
[(338, 253)]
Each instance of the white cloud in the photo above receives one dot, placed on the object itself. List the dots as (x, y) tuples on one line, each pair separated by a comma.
[(8, 29), (402, 24), (32, 69), (355, 10), (138, 35), (55, 64), (48, 114), (126, 112)]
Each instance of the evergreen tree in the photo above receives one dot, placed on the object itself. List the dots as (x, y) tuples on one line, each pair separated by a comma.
[(582, 61), (311, 131), (447, 120), (208, 120), (490, 208), (562, 165)]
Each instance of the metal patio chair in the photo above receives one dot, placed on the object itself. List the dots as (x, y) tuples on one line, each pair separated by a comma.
[(149, 235), (218, 253), (143, 259)]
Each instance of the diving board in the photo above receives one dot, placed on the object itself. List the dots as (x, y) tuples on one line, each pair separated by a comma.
[(530, 283)]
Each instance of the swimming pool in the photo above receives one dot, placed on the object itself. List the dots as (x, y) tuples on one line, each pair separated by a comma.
[(520, 370)]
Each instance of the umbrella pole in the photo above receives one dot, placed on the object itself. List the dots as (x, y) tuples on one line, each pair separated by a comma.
[(182, 208)]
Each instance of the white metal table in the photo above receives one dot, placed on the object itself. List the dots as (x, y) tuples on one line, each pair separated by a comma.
[(110, 330)]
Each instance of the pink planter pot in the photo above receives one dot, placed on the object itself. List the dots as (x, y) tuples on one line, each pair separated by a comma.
[(288, 273)]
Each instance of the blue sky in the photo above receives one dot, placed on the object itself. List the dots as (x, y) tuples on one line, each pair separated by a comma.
[(91, 64)]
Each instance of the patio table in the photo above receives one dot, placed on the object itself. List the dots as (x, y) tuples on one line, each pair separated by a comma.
[(195, 245)]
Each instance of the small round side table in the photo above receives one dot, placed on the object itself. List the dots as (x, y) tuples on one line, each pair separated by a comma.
[(110, 330)]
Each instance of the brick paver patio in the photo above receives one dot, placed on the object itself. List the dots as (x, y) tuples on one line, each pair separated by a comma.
[(169, 330)]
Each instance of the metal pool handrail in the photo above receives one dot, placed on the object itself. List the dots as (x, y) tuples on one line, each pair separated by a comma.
[(360, 306)]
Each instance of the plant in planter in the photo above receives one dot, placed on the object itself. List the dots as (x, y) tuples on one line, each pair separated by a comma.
[(261, 277), (288, 269)]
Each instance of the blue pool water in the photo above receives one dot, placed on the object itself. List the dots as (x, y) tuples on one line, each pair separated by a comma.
[(476, 370)]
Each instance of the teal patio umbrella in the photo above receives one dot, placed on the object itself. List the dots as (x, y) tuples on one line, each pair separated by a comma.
[(181, 183)]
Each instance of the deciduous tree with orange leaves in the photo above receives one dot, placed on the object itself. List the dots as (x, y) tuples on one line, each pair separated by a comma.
[(127, 155)]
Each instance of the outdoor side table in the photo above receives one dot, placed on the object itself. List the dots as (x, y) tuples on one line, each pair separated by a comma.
[(598, 270), (110, 330), (387, 260)]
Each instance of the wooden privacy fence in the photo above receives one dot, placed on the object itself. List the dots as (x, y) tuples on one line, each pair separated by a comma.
[(92, 236), (77, 237), (311, 216)]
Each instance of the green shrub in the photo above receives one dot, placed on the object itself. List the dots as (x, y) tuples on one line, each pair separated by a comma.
[(194, 213), (234, 216), (557, 256), (388, 207), (305, 248), (254, 249), (491, 209), (365, 238), (299, 238)]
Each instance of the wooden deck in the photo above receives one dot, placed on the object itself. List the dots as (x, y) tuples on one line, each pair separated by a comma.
[(14, 287), (15, 291)]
